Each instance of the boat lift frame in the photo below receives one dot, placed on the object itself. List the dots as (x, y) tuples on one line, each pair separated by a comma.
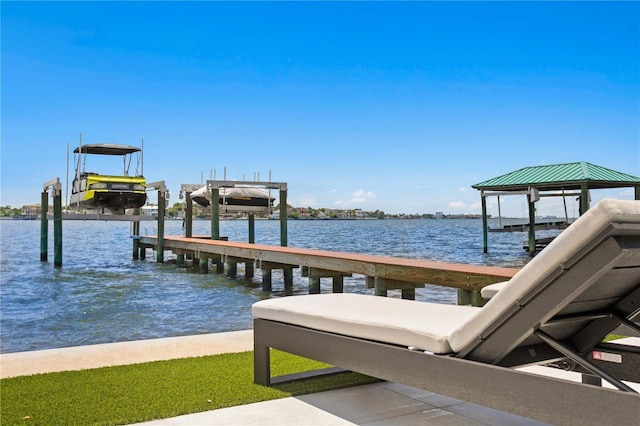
[(56, 188), (214, 186)]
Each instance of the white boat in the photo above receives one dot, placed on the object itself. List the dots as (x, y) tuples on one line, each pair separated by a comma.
[(241, 198)]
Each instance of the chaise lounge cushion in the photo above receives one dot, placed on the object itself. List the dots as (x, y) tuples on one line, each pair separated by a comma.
[(425, 326), (491, 290)]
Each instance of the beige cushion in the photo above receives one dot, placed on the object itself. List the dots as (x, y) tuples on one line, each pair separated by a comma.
[(425, 326), (492, 289)]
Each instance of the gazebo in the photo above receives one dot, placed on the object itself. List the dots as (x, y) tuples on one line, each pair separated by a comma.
[(557, 180)]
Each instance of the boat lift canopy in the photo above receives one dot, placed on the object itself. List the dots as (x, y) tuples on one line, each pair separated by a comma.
[(106, 149)]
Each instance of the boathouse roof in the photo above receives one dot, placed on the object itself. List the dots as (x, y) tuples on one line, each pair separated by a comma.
[(559, 176)]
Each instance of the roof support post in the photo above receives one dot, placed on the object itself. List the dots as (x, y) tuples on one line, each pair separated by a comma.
[(636, 191), (584, 198), (532, 198), (485, 239)]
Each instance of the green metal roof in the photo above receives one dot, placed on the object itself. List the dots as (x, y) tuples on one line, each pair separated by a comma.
[(560, 176)]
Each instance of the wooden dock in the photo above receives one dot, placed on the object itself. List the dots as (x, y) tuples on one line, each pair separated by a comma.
[(524, 227), (383, 273)]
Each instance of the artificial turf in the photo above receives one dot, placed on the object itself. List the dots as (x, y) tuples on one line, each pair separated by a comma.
[(141, 392)]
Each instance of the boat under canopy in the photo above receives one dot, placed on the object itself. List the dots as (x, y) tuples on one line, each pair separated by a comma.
[(236, 199), (105, 192)]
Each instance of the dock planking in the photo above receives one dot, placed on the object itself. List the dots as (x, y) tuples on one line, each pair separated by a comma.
[(413, 272)]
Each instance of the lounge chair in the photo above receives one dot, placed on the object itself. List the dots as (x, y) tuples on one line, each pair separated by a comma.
[(558, 308)]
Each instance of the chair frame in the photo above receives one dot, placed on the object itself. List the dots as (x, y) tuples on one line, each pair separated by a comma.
[(525, 333), (547, 399)]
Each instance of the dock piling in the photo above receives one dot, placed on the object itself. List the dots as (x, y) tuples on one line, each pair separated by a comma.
[(136, 236), (161, 212), (215, 213), (266, 279), (163, 195), (57, 222), (204, 265), (283, 217), (44, 226), (57, 225)]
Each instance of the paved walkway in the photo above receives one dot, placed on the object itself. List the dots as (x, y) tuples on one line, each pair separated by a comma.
[(376, 404), (122, 353)]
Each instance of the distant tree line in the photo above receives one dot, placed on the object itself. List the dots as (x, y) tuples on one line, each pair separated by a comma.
[(7, 211)]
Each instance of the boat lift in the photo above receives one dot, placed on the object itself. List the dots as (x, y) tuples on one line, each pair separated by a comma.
[(55, 187), (214, 187)]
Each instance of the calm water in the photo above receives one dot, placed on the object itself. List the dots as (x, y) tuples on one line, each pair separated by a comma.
[(101, 295)]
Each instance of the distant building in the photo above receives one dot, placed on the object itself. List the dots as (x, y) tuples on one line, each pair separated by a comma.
[(439, 215), (30, 211), (150, 210), (359, 213)]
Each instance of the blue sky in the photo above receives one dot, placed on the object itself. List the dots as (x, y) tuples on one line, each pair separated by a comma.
[(396, 106)]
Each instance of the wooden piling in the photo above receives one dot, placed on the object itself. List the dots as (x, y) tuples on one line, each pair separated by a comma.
[(57, 225), (287, 271), (136, 236), (283, 217), (379, 287), (232, 270), (44, 226), (215, 213), (266, 279), (316, 274), (204, 265), (470, 297), (161, 214), (187, 224)]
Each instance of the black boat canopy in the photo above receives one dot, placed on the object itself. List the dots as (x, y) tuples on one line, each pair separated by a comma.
[(106, 149)]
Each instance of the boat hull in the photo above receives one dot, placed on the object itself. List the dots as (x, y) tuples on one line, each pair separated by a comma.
[(236, 199), (114, 202), (112, 193)]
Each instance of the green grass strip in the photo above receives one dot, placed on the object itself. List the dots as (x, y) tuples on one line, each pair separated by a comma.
[(141, 392), (611, 337)]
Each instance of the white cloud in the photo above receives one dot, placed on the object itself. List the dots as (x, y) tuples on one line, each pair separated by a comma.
[(457, 205), (361, 193), (462, 189), (476, 206), (361, 196), (307, 202)]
